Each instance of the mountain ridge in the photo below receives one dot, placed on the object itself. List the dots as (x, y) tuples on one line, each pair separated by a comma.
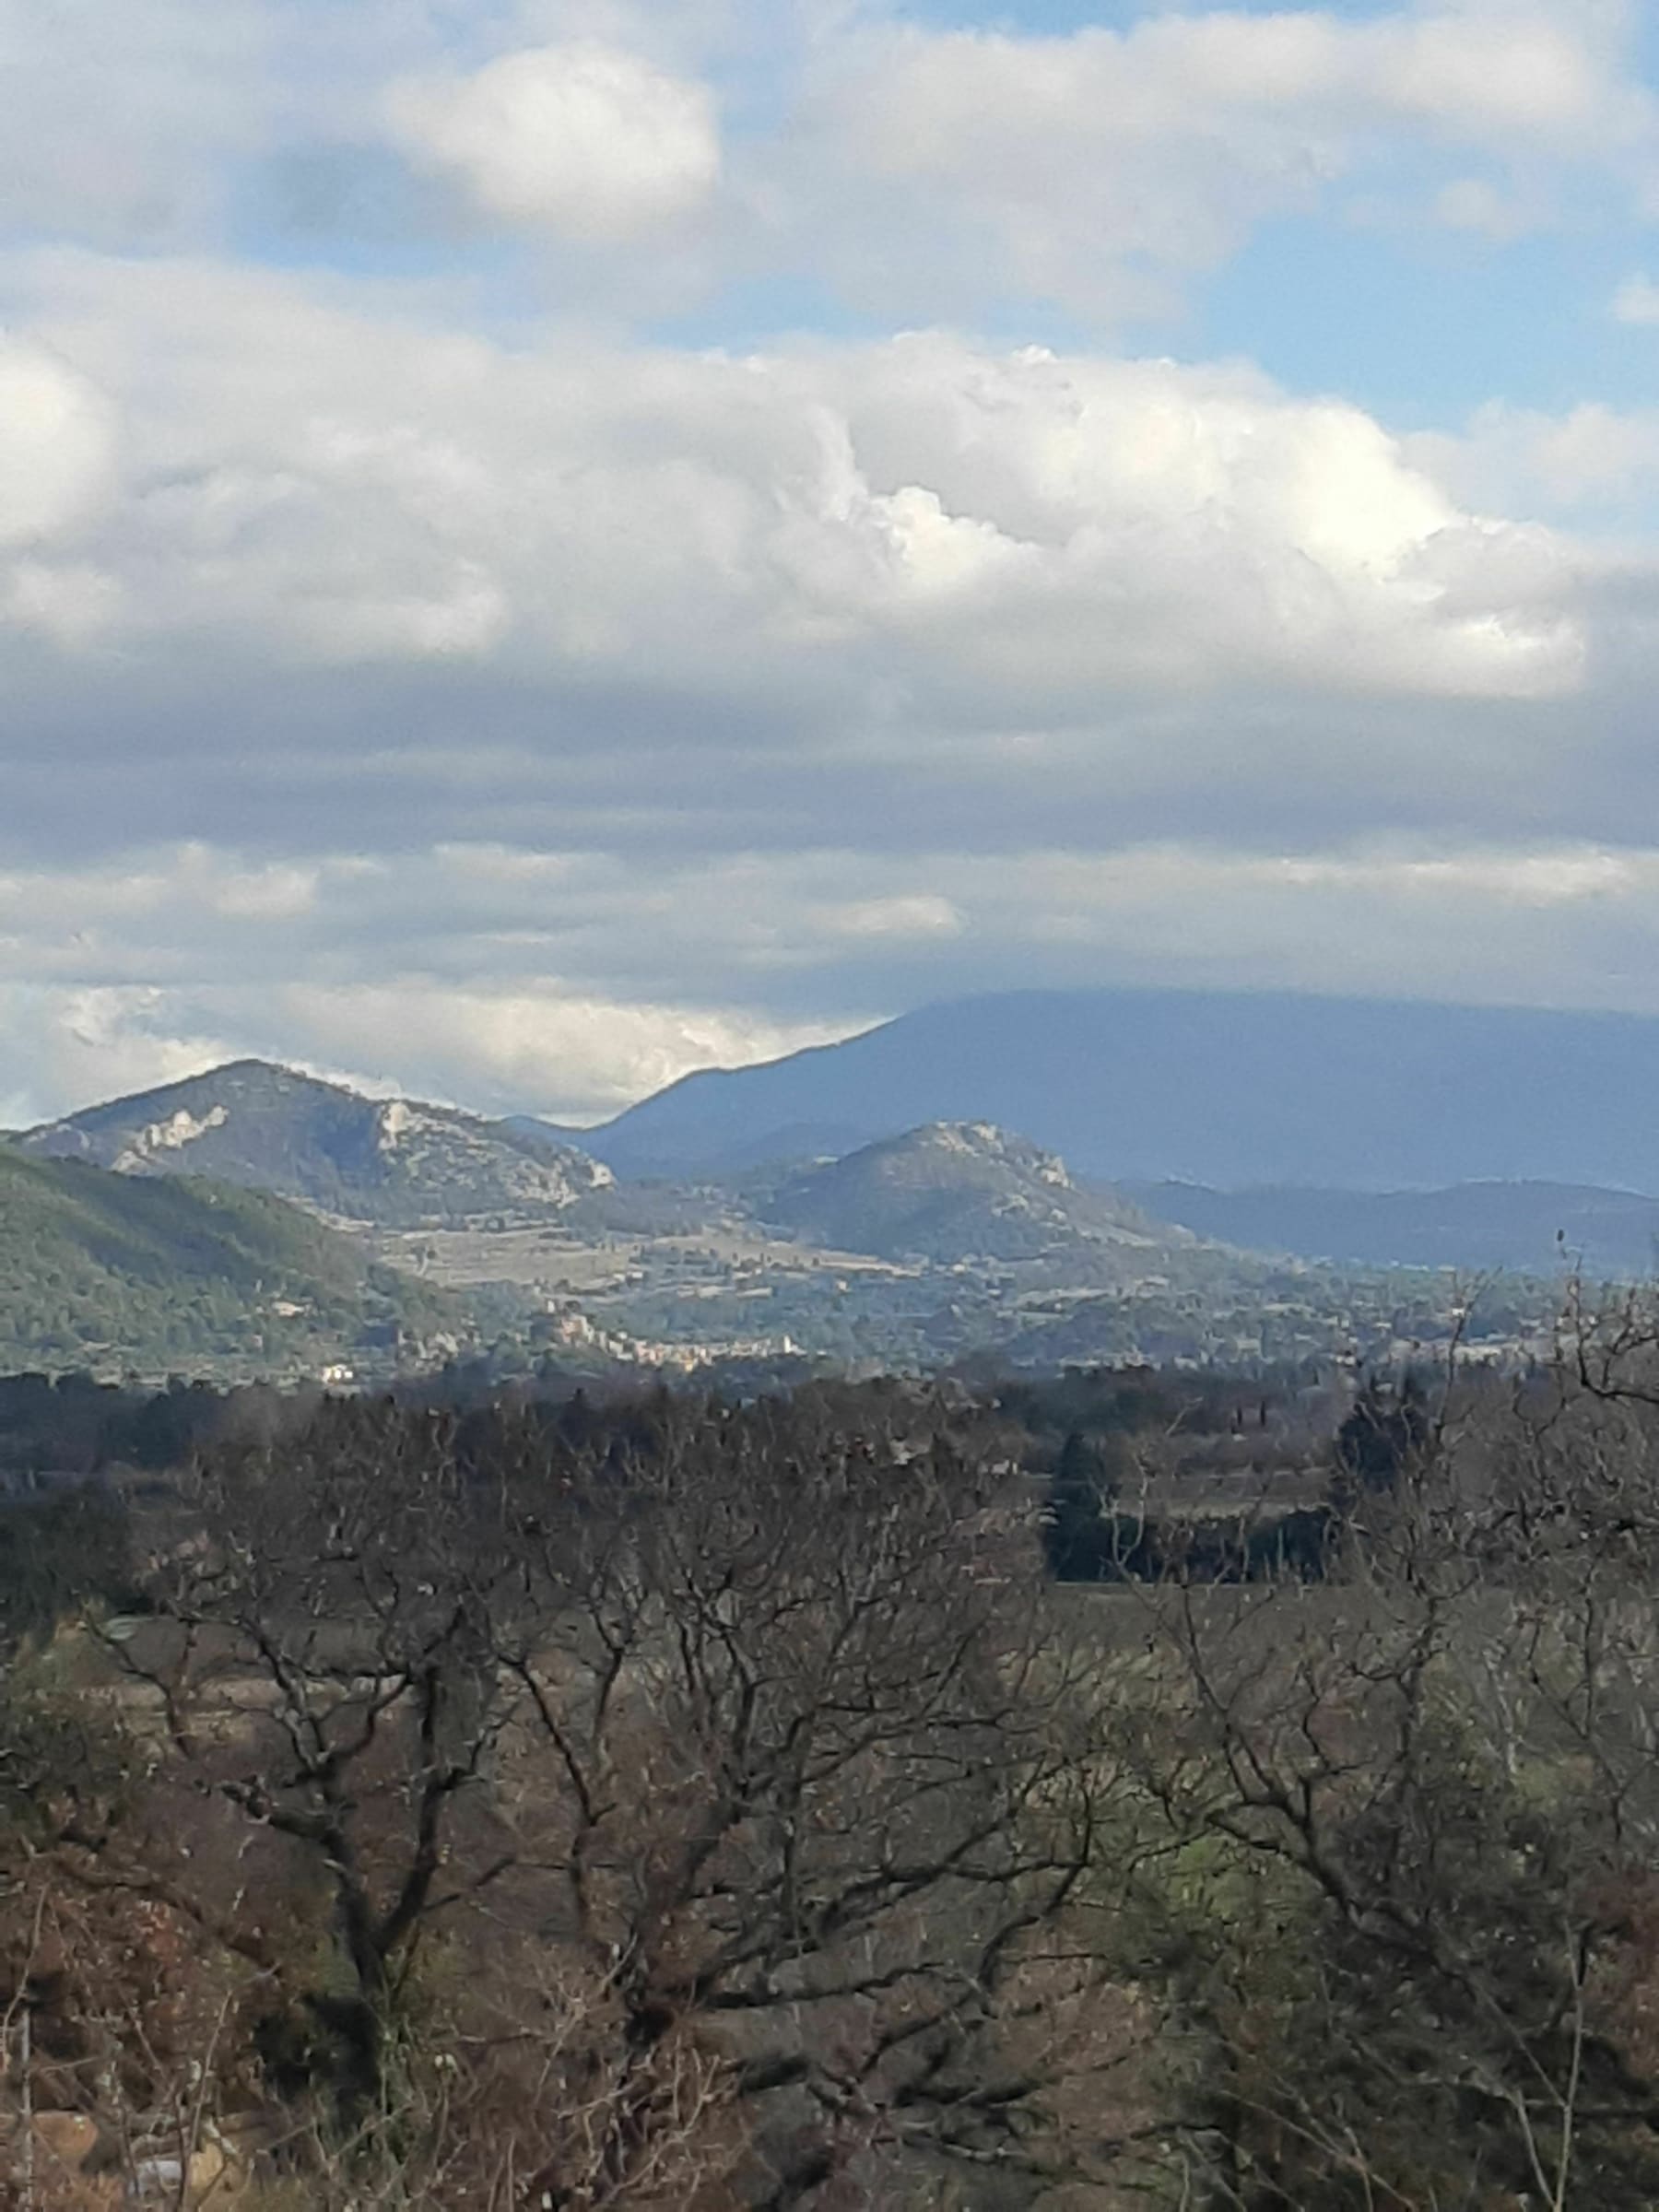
[(1520, 1225), (1118, 1069), (395, 1163), (1227, 1089)]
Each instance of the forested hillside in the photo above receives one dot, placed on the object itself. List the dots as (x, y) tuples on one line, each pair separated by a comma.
[(117, 1271)]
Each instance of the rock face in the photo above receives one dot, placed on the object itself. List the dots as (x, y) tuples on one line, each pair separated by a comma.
[(63, 2143), (70, 2164), (950, 1191), (395, 1162)]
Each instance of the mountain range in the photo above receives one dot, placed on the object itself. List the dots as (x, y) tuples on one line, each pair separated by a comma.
[(1527, 1227), (1168, 1138), (393, 1162), (1227, 1090)]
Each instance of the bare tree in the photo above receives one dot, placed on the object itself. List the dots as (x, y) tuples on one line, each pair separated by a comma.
[(807, 1764), (1413, 1808), (318, 1669), (711, 1787)]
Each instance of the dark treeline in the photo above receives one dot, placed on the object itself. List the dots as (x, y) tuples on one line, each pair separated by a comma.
[(74, 1424), (1134, 1457), (1130, 1499)]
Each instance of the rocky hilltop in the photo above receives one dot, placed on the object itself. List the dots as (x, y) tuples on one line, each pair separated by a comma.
[(953, 1190), (395, 1162)]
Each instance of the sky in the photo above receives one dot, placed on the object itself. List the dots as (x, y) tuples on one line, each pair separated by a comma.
[(547, 543)]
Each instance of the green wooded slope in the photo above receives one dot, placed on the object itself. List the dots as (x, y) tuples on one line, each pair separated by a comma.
[(116, 1271)]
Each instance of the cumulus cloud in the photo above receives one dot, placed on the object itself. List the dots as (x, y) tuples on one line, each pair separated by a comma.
[(119, 120), (319, 485), (683, 618), (57, 441), (408, 668), (545, 1047), (491, 1049), (593, 142), (907, 165), (1554, 464), (68, 1047), (145, 968)]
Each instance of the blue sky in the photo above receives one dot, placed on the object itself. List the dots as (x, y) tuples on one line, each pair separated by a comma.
[(546, 542)]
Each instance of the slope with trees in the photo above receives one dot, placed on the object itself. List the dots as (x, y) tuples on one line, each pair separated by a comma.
[(117, 1272)]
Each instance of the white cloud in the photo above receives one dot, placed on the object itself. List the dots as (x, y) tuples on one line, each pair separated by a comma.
[(1482, 72), (1589, 456), (544, 1048), (1088, 168), (89, 917), (307, 484), (119, 120), (594, 143), (907, 915), (539, 1051), (73, 1046), (1476, 205), (832, 674), (153, 965), (911, 166), (1566, 926), (57, 446), (1637, 301), (65, 603)]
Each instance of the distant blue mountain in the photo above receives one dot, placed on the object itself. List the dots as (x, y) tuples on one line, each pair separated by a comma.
[(1223, 1088), (1530, 1228)]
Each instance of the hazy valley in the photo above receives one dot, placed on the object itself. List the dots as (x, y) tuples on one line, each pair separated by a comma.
[(396, 1231)]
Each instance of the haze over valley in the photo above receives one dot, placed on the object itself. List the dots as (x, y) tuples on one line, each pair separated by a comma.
[(796, 1213)]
